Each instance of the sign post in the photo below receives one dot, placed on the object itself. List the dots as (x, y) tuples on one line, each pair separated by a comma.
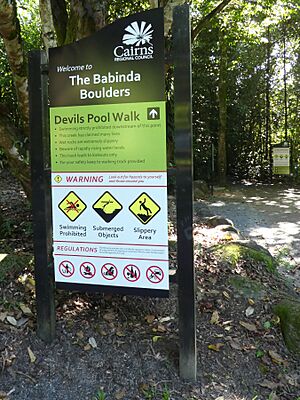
[(184, 192), (41, 202), (108, 159), (109, 170)]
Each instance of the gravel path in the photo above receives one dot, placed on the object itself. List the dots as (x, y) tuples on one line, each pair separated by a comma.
[(268, 214)]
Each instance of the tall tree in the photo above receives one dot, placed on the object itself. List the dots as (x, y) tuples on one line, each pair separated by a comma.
[(222, 97), (61, 22)]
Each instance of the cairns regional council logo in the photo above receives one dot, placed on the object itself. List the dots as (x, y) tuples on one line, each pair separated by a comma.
[(136, 43)]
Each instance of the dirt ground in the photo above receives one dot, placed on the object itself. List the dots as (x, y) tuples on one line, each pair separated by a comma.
[(127, 347), (268, 214)]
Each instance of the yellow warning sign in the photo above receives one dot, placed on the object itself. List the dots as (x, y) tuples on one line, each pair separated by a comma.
[(144, 208), (58, 179), (72, 206), (107, 207)]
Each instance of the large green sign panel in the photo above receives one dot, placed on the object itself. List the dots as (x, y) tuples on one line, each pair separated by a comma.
[(108, 138), (108, 159)]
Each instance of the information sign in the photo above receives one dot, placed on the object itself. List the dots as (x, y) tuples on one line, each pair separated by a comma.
[(281, 160), (108, 158)]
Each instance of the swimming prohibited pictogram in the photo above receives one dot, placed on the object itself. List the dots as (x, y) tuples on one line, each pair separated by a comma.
[(109, 271), (131, 273), (107, 207), (72, 206), (87, 270), (154, 274), (144, 208), (66, 268)]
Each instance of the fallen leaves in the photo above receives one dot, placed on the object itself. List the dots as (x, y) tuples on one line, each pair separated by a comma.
[(120, 394), (109, 316), (150, 319), (4, 395), (3, 316), (156, 338), (32, 356), (235, 344), (269, 384), (215, 347), (11, 320), (215, 318), (275, 357), (248, 326), (161, 328), (93, 342), (25, 310), (249, 311)]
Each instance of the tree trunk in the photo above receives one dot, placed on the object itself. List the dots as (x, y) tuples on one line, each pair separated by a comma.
[(268, 149), (222, 97), (47, 25), (86, 17), (10, 32), (16, 162)]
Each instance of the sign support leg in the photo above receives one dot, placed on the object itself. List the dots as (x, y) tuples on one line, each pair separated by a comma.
[(184, 190), (41, 200)]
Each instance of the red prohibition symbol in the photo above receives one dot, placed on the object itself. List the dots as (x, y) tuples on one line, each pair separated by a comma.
[(109, 271), (66, 268), (155, 274), (87, 270), (131, 273)]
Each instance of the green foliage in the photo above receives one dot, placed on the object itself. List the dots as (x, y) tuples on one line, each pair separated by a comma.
[(29, 19), (234, 252), (254, 33), (123, 8), (259, 353), (283, 258), (10, 228), (149, 393), (267, 325), (166, 394), (100, 395), (12, 265), (6, 228)]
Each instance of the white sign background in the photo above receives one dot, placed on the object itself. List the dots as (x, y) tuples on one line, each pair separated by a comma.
[(128, 241)]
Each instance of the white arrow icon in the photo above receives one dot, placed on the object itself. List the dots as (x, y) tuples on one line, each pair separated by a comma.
[(153, 113)]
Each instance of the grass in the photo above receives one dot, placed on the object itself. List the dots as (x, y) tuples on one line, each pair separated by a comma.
[(100, 395), (13, 264), (233, 253), (283, 257)]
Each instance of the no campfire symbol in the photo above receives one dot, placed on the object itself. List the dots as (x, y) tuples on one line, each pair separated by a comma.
[(87, 270)]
